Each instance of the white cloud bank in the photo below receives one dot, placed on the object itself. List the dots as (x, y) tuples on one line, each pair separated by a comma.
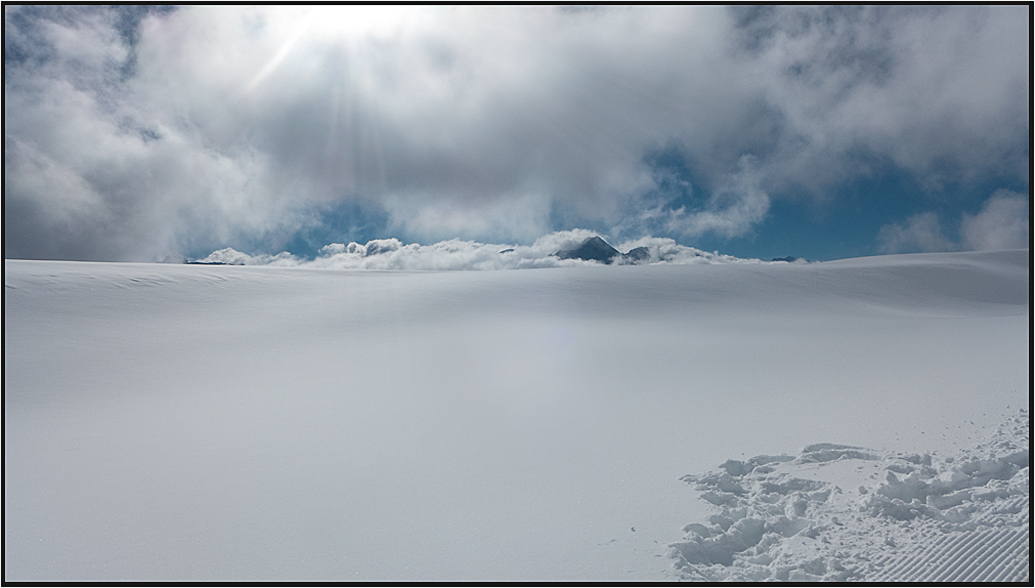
[(470, 255)]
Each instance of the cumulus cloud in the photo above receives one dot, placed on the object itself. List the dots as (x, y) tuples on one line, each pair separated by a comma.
[(91, 173), (1003, 223), (134, 133), (921, 232), (455, 254), (934, 89), (231, 256)]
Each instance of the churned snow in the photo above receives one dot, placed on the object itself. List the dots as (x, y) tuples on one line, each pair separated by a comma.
[(841, 513), (863, 419)]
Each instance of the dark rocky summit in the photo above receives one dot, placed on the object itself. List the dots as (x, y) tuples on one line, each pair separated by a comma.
[(593, 248), (639, 254), (597, 249)]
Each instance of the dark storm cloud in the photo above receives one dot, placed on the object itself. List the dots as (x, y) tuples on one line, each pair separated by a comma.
[(136, 133)]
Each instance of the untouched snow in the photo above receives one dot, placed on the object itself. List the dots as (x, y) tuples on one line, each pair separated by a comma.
[(178, 422)]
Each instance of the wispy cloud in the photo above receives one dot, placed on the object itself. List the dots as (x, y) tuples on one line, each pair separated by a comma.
[(734, 208)]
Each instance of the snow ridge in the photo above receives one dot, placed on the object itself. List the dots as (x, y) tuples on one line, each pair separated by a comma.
[(910, 518)]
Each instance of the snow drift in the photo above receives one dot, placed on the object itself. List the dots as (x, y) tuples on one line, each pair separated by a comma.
[(191, 422)]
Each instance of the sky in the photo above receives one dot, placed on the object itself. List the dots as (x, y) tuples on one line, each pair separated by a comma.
[(144, 133)]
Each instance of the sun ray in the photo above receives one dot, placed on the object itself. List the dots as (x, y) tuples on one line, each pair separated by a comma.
[(332, 23)]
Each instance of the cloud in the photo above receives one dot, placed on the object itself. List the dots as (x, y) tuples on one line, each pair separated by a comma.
[(91, 174), (521, 216), (455, 254), (936, 90), (1003, 223), (733, 209), (134, 133), (921, 232), (231, 256)]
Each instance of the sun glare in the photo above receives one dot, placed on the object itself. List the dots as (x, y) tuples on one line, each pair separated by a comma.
[(357, 20), (330, 23)]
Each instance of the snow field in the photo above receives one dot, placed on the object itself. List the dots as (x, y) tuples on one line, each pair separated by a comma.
[(178, 422)]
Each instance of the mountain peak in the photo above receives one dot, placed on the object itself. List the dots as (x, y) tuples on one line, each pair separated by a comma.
[(597, 249)]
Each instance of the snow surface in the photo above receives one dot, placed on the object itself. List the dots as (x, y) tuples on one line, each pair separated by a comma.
[(187, 422), (905, 518)]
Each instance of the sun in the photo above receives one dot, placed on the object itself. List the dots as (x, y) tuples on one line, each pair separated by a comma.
[(357, 21), (331, 24)]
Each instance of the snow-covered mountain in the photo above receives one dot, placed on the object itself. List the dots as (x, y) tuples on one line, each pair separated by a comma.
[(585, 423)]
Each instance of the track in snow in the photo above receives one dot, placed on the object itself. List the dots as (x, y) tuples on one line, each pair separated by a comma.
[(989, 555)]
